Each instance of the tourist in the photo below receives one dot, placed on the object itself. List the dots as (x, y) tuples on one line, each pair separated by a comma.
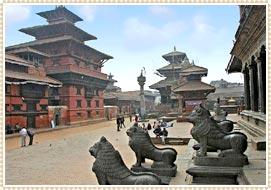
[(23, 133), (131, 119), (149, 126), (157, 131), (164, 135), (17, 128), (154, 125), (136, 118), (31, 136), (122, 122), (118, 123)]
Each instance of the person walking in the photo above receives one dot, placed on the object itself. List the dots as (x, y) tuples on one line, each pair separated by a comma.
[(122, 121), (23, 133), (164, 135), (118, 123), (31, 136)]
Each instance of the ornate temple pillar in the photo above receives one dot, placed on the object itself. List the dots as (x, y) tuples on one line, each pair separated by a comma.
[(260, 84), (251, 68), (246, 89)]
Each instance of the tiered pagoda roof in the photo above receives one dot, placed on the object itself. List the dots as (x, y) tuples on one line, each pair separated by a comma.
[(60, 14), (15, 77)]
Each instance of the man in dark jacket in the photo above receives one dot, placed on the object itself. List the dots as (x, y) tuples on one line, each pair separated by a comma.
[(31, 136)]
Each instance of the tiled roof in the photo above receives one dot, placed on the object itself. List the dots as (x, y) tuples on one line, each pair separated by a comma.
[(171, 66), (128, 95), (194, 85), (194, 68), (30, 78), (17, 59), (57, 39), (28, 49), (38, 31), (163, 83), (60, 12)]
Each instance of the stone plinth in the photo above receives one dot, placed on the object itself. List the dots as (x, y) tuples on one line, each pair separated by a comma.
[(164, 173), (212, 175), (221, 161)]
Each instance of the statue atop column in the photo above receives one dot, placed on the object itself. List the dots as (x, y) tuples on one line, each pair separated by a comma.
[(141, 81)]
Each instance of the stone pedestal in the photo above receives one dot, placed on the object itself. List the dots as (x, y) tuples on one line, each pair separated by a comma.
[(212, 175), (213, 160), (164, 173)]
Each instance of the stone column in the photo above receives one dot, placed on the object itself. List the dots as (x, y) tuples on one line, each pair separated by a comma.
[(251, 82), (246, 89), (260, 85), (141, 81)]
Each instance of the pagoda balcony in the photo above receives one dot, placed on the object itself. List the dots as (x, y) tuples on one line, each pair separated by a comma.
[(76, 69)]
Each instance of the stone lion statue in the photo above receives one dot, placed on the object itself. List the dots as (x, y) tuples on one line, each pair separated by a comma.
[(140, 143), (111, 170), (208, 133)]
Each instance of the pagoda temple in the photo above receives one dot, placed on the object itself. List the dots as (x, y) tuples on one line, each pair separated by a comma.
[(182, 85), (171, 72), (76, 65)]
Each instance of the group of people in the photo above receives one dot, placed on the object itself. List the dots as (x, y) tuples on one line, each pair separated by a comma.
[(157, 130), (26, 132), (120, 122)]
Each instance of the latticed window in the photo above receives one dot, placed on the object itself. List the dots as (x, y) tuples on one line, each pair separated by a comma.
[(78, 103), (97, 103), (89, 114), (78, 90), (88, 103)]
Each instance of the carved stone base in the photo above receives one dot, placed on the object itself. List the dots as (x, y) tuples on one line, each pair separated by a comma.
[(164, 173), (212, 175), (214, 160)]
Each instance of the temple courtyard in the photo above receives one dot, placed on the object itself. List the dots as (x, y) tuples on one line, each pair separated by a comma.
[(60, 156)]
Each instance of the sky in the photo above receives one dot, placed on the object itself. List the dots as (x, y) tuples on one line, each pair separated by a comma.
[(138, 35)]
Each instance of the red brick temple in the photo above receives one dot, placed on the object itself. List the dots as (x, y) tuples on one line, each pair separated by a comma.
[(70, 61), (182, 85)]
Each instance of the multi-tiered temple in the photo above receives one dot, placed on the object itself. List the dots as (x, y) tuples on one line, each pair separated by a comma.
[(182, 85), (70, 61)]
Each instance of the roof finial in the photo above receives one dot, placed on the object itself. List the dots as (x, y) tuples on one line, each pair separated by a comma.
[(174, 48)]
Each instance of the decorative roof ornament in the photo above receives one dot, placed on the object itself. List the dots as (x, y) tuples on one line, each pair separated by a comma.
[(174, 48), (59, 6)]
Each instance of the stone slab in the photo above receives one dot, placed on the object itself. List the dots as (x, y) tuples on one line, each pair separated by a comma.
[(167, 172), (214, 175), (220, 161)]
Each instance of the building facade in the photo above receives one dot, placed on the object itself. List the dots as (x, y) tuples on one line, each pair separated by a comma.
[(248, 56), (71, 61), (27, 93)]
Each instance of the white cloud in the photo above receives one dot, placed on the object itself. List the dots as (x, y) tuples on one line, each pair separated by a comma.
[(204, 35), (16, 13), (161, 11), (88, 12), (142, 35)]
